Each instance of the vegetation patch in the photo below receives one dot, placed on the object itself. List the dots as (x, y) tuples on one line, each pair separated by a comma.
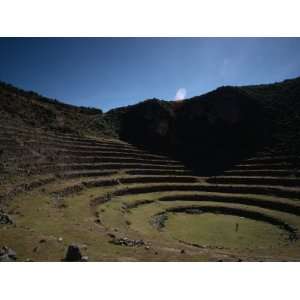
[(255, 215)]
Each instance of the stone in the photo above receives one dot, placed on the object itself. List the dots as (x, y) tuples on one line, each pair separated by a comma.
[(6, 258), (85, 258), (127, 242), (7, 254), (60, 239), (11, 253), (5, 219), (73, 253)]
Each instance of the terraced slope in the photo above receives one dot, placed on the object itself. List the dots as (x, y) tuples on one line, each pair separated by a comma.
[(27, 109), (119, 202)]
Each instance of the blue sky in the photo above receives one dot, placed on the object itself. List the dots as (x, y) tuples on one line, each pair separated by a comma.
[(112, 72)]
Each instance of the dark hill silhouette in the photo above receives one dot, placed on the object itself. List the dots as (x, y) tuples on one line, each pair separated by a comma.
[(213, 131), (281, 107)]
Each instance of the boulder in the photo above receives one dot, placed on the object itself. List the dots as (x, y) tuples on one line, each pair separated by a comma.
[(73, 253), (85, 258), (6, 258), (7, 254), (5, 219)]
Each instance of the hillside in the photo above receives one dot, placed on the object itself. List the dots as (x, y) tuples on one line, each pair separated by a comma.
[(19, 108), (281, 107), (212, 178), (213, 131)]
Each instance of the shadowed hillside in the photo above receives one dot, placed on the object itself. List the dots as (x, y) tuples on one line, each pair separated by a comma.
[(281, 107), (213, 131)]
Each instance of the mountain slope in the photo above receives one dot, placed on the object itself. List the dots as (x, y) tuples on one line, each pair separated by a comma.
[(21, 108), (281, 105), (211, 132)]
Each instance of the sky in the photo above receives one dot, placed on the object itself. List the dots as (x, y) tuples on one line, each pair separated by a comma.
[(111, 72)]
